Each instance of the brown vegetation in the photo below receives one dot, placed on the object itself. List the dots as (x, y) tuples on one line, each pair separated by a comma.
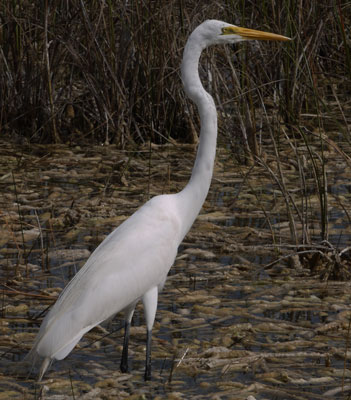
[(109, 71), (246, 309)]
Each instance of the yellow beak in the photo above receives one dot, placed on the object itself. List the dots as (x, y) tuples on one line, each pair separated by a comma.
[(251, 34)]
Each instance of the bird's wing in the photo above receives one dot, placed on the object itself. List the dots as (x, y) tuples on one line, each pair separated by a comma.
[(130, 261)]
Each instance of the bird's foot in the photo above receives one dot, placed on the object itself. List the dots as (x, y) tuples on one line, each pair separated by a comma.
[(124, 367), (147, 375)]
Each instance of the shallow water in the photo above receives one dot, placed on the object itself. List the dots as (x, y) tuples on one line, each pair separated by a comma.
[(232, 320)]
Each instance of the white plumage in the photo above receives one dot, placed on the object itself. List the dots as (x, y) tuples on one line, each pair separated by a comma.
[(132, 263)]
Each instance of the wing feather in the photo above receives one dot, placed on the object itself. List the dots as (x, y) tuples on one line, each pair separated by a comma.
[(131, 260)]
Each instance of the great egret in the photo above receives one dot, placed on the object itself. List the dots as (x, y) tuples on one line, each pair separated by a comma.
[(132, 263)]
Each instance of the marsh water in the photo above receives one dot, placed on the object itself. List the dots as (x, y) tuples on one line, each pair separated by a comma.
[(242, 313)]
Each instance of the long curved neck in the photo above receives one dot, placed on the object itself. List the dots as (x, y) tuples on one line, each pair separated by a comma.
[(194, 194)]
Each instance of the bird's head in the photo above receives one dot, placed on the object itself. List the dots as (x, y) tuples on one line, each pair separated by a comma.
[(219, 32)]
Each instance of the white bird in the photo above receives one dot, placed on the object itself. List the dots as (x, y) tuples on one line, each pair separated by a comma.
[(132, 263)]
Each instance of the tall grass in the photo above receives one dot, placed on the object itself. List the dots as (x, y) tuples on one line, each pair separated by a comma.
[(108, 71), (304, 81)]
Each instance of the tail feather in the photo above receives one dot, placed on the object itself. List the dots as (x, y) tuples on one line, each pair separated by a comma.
[(44, 366), (32, 357)]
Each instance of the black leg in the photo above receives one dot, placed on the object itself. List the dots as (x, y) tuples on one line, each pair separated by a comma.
[(124, 360), (147, 375)]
